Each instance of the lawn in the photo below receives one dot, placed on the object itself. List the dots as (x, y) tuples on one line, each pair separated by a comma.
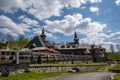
[(39, 76), (117, 77), (32, 76), (112, 56), (116, 67)]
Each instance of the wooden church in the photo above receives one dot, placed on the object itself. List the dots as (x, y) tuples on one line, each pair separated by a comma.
[(40, 44), (89, 52)]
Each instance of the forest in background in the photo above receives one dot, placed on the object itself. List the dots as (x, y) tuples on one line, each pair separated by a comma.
[(13, 43)]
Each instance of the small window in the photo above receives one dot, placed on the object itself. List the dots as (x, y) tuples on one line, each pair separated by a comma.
[(68, 46), (2, 58), (62, 46), (73, 46)]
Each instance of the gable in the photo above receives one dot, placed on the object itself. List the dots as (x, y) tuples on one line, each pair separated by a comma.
[(36, 41)]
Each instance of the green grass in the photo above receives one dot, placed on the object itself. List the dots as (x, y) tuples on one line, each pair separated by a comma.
[(117, 77), (112, 56), (32, 76), (116, 67), (39, 76)]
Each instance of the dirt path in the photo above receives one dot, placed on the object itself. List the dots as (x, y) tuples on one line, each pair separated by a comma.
[(86, 76)]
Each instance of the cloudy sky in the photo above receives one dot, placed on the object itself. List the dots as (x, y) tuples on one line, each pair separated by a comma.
[(95, 21)]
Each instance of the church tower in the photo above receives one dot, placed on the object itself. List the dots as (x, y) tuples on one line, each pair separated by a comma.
[(76, 40), (43, 36)]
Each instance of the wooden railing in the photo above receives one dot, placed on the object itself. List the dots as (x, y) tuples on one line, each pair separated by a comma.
[(14, 57), (19, 57)]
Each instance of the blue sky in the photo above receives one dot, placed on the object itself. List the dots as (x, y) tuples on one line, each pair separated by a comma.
[(95, 21)]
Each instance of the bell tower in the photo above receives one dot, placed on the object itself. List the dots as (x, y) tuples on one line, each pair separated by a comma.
[(43, 36), (76, 40)]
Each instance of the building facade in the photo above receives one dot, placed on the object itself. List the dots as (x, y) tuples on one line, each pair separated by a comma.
[(90, 52), (86, 52)]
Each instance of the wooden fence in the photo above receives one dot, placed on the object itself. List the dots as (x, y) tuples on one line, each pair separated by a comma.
[(19, 57)]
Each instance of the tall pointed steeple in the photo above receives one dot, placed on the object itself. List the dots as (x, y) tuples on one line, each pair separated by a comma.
[(43, 32), (76, 40), (43, 36)]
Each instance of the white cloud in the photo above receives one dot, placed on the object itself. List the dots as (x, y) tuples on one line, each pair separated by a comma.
[(28, 21), (83, 7), (65, 26), (94, 9), (72, 3), (117, 2), (42, 9), (115, 35), (9, 27), (92, 30), (38, 31), (95, 1)]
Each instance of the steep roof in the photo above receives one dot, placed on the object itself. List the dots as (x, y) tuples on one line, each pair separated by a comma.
[(39, 44), (37, 41)]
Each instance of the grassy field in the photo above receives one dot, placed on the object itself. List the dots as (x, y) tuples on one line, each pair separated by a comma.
[(39, 76), (112, 56), (32, 76), (117, 77), (116, 68)]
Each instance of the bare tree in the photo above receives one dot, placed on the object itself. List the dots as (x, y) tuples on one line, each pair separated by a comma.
[(112, 48), (2, 37), (118, 47)]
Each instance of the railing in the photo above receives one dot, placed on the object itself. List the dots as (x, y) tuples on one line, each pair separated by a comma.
[(14, 56), (64, 57), (18, 57)]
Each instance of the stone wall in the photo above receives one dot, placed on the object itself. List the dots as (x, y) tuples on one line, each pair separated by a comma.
[(11, 69), (61, 68), (6, 70)]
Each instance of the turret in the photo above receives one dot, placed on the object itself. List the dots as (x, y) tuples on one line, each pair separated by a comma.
[(43, 36), (76, 40)]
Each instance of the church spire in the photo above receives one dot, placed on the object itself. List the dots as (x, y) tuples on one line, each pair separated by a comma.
[(43, 34), (75, 35), (76, 40)]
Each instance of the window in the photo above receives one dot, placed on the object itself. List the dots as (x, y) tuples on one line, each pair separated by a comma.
[(73, 46), (68, 46), (62, 46)]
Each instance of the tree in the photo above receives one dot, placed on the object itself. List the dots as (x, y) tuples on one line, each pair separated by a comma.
[(10, 40), (22, 41), (2, 37), (112, 48), (118, 47)]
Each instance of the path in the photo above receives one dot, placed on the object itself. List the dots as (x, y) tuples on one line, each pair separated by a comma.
[(87, 76)]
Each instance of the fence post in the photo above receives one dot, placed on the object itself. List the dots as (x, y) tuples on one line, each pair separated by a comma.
[(17, 57)]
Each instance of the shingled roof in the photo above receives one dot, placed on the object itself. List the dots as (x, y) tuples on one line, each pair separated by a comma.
[(37, 42)]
